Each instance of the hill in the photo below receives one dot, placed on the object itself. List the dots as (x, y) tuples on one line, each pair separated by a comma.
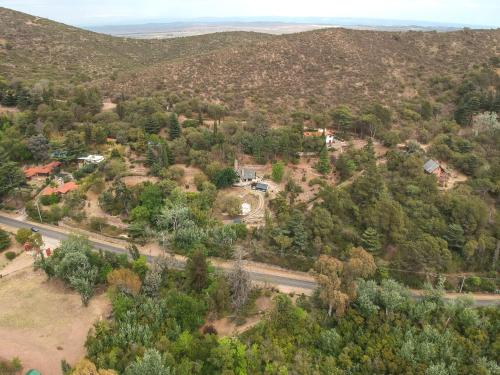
[(33, 48), (312, 70), (321, 68)]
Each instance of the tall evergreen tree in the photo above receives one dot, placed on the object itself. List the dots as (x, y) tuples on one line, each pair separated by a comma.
[(323, 166), (174, 126), (370, 240), (151, 126), (455, 237)]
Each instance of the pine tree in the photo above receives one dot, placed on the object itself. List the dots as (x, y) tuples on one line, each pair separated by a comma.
[(151, 126), (455, 237), (370, 240), (323, 165), (175, 128)]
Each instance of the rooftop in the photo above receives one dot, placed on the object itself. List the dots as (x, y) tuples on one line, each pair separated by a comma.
[(41, 169), (431, 165), (63, 189), (92, 158)]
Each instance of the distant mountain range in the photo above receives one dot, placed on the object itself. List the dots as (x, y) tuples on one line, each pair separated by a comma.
[(270, 25)]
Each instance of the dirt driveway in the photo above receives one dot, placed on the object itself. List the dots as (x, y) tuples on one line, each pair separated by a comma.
[(42, 322)]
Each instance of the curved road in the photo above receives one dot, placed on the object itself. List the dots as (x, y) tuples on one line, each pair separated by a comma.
[(290, 281)]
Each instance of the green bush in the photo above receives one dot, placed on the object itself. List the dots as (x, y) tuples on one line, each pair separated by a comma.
[(48, 200), (22, 235), (4, 240), (10, 255)]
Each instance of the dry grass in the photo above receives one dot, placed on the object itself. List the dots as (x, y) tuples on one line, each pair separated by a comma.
[(42, 322)]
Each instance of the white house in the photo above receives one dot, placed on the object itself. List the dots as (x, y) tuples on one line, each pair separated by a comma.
[(92, 159), (329, 135)]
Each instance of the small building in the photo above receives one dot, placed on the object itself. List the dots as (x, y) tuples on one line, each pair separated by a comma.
[(41, 170), (260, 186), (92, 159), (432, 166), (63, 189), (247, 174), (328, 134)]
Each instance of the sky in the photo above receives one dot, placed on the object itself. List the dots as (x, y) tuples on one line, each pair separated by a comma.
[(105, 12)]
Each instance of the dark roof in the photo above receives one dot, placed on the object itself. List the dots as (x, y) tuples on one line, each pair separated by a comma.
[(431, 165), (248, 174), (261, 186)]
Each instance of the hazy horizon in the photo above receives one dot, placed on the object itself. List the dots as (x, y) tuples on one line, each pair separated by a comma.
[(93, 13)]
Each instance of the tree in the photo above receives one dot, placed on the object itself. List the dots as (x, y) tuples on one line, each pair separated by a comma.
[(197, 270), (455, 237), (174, 127), (11, 177), (278, 171), (4, 240), (225, 178), (74, 144), (125, 281), (323, 166), (483, 122), (328, 274), (71, 263), (343, 117), (151, 125), (39, 147), (151, 364), (22, 235), (12, 367), (337, 280), (86, 367), (370, 240), (230, 204), (154, 277), (239, 282)]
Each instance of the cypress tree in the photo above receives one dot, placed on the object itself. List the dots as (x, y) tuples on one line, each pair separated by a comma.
[(175, 128), (455, 237), (151, 126), (370, 240), (323, 165)]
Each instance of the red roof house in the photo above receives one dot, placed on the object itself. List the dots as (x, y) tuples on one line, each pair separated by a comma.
[(41, 170), (63, 189)]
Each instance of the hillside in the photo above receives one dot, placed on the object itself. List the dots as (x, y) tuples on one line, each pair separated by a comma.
[(312, 70), (321, 68), (33, 48)]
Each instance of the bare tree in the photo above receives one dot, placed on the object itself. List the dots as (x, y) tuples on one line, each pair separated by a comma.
[(239, 281), (154, 276)]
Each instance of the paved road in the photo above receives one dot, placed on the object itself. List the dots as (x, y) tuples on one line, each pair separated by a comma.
[(286, 281), (59, 235)]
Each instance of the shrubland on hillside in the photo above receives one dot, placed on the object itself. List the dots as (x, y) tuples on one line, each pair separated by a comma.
[(312, 70)]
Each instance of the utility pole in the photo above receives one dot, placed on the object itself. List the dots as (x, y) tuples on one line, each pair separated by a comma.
[(39, 214), (462, 285)]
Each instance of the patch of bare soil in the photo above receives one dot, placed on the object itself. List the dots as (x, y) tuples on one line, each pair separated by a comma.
[(454, 177), (228, 327), (92, 209), (136, 180), (187, 181), (303, 172), (108, 105), (43, 322), (4, 109)]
